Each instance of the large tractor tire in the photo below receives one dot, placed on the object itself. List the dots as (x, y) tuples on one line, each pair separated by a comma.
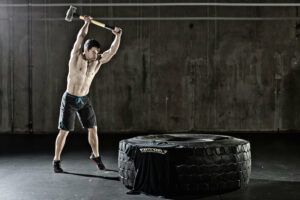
[(184, 164)]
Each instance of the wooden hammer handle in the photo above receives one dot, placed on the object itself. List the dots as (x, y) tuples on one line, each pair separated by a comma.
[(99, 24)]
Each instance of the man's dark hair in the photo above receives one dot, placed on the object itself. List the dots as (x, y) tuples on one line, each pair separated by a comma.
[(90, 43)]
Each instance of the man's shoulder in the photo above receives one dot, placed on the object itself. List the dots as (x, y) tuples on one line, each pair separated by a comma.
[(75, 60), (76, 57)]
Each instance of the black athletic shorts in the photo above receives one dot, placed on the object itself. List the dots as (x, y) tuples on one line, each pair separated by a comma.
[(76, 105)]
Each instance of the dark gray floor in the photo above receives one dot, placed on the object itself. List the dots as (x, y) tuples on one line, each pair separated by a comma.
[(26, 171)]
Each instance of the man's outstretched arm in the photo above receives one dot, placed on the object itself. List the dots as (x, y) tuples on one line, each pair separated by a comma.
[(81, 35), (107, 55)]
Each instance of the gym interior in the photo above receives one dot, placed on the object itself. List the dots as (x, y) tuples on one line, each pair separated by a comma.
[(196, 99)]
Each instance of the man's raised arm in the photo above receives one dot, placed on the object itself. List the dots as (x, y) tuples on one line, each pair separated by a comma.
[(81, 35), (107, 55)]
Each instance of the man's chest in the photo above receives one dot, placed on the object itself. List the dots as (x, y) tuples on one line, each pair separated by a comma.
[(82, 73), (84, 68)]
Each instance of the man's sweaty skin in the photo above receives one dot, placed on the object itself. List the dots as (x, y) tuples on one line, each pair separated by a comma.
[(84, 66), (82, 69)]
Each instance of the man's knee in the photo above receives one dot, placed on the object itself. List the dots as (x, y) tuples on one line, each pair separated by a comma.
[(93, 130), (63, 133)]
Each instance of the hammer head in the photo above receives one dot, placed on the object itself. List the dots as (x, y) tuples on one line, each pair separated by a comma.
[(71, 13)]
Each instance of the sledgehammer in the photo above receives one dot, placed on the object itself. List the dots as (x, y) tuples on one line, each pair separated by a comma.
[(71, 13)]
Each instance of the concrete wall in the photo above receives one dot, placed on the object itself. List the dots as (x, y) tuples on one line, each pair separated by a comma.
[(234, 75)]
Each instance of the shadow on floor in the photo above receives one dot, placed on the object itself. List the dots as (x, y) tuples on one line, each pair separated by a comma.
[(108, 174)]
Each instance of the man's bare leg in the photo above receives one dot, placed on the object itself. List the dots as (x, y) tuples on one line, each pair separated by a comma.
[(59, 145), (93, 140)]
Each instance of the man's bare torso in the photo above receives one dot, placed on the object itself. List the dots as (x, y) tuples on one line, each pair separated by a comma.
[(81, 74)]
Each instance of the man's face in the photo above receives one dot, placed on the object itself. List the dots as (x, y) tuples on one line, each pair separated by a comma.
[(92, 54)]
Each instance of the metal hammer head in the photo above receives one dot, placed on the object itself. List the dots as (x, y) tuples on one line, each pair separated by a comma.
[(71, 13)]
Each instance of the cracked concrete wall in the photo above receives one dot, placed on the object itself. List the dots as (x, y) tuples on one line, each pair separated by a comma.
[(168, 76)]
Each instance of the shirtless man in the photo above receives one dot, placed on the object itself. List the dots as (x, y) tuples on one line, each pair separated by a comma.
[(83, 66)]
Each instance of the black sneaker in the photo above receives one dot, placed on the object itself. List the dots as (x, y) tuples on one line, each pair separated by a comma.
[(98, 161), (133, 192), (56, 166)]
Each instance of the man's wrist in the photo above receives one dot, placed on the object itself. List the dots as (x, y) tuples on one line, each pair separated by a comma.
[(117, 34)]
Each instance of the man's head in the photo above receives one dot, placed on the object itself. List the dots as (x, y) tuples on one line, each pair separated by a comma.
[(91, 49)]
